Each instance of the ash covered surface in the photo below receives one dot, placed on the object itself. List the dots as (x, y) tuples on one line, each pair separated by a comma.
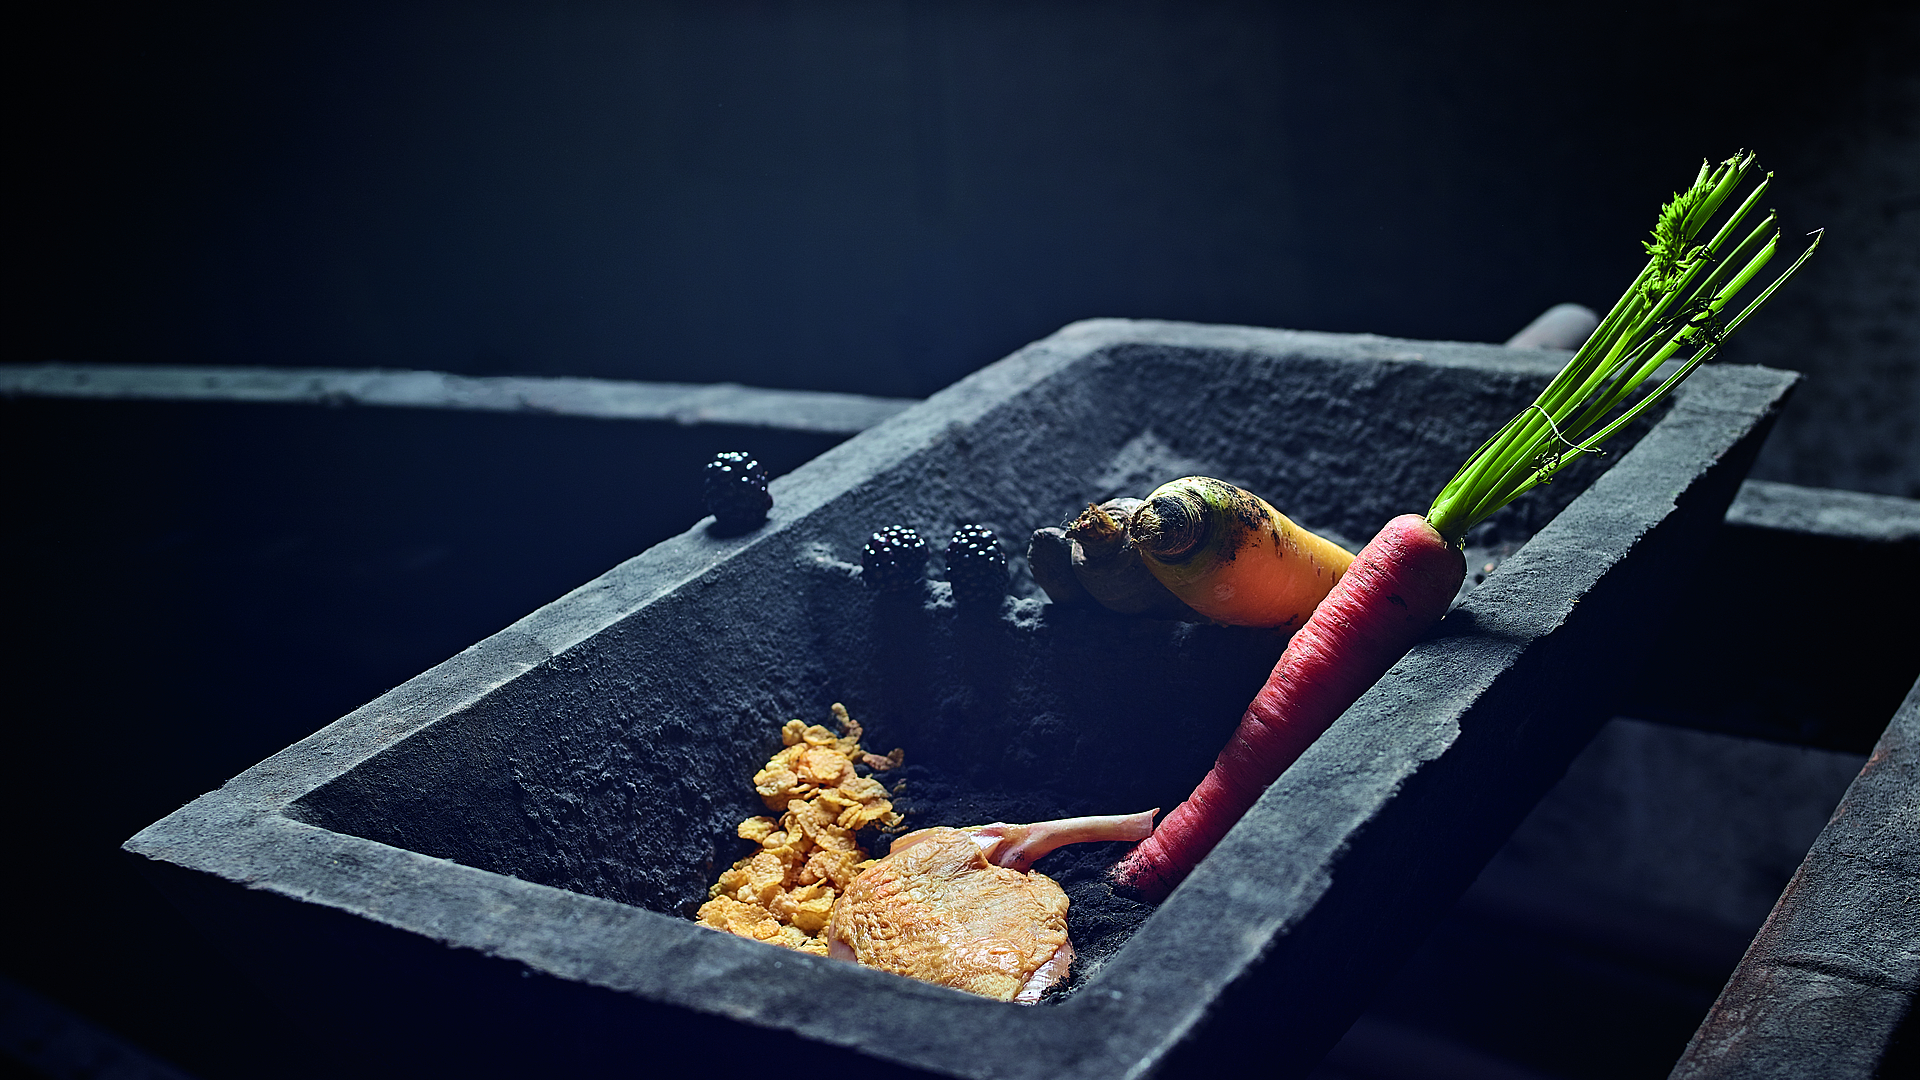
[(621, 767), (1100, 921), (1169, 693)]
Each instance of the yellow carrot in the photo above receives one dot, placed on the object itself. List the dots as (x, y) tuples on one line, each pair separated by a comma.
[(1232, 557)]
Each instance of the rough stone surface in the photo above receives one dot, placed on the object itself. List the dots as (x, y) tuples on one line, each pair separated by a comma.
[(1594, 943), (610, 399), (1851, 321), (1848, 515), (551, 801), (1692, 822), (1827, 983)]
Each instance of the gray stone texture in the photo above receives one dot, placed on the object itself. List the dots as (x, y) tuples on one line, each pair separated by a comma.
[(1693, 822), (488, 867), (1726, 661), (1597, 938), (1825, 986), (610, 399), (1840, 515)]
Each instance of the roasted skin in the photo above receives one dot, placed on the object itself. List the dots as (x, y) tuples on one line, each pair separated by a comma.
[(1090, 561), (961, 908)]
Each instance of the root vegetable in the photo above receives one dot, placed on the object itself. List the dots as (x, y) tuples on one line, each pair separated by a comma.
[(1400, 584), (961, 908), (1231, 557), (1092, 561), (1050, 559), (1395, 590), (1109, 567)]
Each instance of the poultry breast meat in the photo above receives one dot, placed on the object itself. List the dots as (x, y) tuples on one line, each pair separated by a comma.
[(960, 908)]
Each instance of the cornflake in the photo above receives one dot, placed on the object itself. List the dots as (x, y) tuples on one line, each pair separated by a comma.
[(784, 892)]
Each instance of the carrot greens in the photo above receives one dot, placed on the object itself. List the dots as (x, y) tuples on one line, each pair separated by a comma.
[(1677, 304), (1402, 582)]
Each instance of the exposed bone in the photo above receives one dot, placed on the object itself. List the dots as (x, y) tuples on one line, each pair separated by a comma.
[(1018, 847)]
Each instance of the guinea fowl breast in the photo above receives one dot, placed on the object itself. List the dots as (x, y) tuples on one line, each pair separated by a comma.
[(940, 912), (958, 907)]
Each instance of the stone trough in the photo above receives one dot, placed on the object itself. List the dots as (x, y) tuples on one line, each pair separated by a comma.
[(490, 868)]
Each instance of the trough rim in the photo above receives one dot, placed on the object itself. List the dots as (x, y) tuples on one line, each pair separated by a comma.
[(242, 833)]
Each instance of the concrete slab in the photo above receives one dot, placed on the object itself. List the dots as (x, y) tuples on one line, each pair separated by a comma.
[(610, 399), (1827, 986)]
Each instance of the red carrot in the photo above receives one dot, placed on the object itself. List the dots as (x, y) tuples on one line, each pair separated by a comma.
[(1396, 589), (1401, 583)]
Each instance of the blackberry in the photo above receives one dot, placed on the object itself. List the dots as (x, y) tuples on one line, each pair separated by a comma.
[(894, 560), (976, 566), (737, 490)]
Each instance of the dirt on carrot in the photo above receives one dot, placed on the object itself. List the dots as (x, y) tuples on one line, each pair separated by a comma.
[(1231, 556), (783, 892)]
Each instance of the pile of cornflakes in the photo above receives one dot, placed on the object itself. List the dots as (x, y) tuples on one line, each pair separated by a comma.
[(784, 892)]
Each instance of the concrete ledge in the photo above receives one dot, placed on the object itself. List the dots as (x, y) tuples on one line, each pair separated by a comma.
[(1826, 985), (682, 403)]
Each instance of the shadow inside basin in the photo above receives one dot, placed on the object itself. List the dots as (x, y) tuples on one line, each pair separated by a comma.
[(620, 767)]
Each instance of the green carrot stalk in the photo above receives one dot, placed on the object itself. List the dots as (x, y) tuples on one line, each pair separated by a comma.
[(1402, 582), (1674, 309)]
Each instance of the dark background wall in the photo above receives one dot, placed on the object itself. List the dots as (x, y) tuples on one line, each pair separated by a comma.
[(871, 197), (881, 197)]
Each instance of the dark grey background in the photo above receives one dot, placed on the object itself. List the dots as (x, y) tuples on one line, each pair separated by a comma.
[(880, 197), (868, 197)]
